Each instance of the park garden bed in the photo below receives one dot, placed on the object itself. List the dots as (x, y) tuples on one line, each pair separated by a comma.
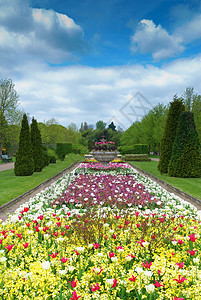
[(102, 233)]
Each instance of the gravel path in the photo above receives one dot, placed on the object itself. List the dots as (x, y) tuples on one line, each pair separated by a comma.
[(7, 166)]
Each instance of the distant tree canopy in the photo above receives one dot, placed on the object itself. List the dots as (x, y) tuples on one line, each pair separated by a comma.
[(147, 131), (9, 114)]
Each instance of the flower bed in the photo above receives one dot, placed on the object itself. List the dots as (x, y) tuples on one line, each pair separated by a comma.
[(106, 234)]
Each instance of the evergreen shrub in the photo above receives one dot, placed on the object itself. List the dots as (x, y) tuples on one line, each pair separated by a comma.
[(167, 141), (186, 151), (24, 164), (37, 147)]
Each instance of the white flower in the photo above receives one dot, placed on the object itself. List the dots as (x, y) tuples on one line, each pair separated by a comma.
[(62, 272), (46, 265), (196, 260), (3, 259), (90, 246), (99, 254), (174, 243), (114, 259), (150, 288), (128, 258), (145, 244), (110, 281), (148, 273), (139, 270), (80, 249), (71, 269)]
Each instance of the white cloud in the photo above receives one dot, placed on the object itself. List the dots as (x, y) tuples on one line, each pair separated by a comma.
[(81, 93), (150, 38), (190, 30), (37, 34)]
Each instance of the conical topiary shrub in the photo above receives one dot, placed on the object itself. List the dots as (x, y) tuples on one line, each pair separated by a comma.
[(167, 141), (24, 165), (186, 152), (37, 147)]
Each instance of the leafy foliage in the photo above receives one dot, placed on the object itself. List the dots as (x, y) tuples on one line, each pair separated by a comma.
[(186, 152), (134, 149), (176, 108), (24, 165), (37, 147)]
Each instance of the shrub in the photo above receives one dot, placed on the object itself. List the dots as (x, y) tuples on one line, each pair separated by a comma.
[(135, 157), (167, 141), (37, 147), (186, 153), (24, 165), (52, 159), (62, 149), (134, 149)]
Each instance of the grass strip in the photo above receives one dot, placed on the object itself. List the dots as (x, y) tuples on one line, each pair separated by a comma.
[(191, 186), (12, 186)]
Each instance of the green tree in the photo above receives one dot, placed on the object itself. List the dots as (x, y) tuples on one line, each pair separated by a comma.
[(112, 126), (196, 109), (186, 152), (188, 97), (37, 147), (167, 141), (100, 125), (9, 100), (24, 165)]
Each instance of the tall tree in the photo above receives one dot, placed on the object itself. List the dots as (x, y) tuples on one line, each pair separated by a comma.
[(167, 141), (186, 152), (9, 100), (188, 97), (112, 126), (37, 147), (24, 165), (100, 125)]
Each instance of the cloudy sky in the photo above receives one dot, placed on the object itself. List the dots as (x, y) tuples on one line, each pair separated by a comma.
[(90, 60)]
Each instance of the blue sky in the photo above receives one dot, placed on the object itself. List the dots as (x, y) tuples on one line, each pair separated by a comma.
[(89, 60)]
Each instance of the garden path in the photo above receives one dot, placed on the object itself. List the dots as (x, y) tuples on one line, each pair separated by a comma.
[(7, 166)]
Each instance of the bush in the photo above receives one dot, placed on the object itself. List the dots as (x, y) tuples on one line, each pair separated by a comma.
[(24, 165), (134, 149), (79, 149), (52, 159), (37, 147), (186, 153), (167, 141), (135, 157), (62, 149)]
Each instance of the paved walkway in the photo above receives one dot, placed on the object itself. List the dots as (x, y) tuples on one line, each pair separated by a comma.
[(7, 166)]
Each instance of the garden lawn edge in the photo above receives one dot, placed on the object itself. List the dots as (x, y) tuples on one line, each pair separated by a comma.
[(195, 201), (12, 205)]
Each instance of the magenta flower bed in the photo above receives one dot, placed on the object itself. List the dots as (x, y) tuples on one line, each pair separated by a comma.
[(106, 189)]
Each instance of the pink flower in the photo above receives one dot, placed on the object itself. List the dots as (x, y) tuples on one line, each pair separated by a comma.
[(64, 260), (192, 237), (180, 265), (26, 245), (73, 283), (111, 254), (9, 247), (141, 242), (147, 265), (53, 255), (158, 284), (133, 278), (58, 224), (175, 298), (181, 279), (95, 287), (96, 245), (180, 242), (192, 252), (74, 296), (114, 283)]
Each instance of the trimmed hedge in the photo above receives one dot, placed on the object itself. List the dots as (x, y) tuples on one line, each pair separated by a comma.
[(186, 152), (62, 149), (135, 157), (134, 149)]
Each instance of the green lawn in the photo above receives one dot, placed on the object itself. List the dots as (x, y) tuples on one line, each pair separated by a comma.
[(191, 186), (12, 186)]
